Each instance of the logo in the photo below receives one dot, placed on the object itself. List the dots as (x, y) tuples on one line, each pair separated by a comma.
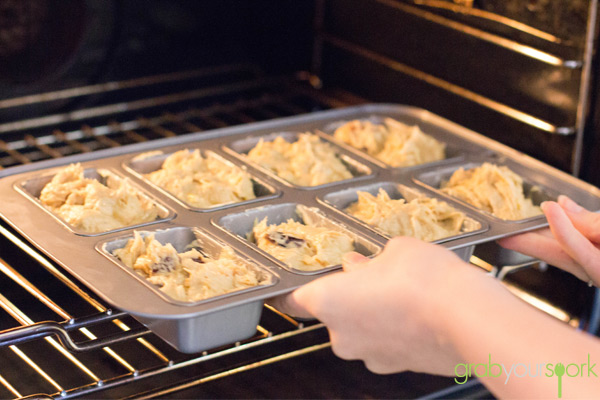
[(520, 370)]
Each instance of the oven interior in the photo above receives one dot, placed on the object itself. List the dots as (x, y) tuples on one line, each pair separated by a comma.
[(83, 75)]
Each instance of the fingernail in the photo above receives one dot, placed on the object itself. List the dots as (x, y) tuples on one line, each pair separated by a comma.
[(569, 204), (354, 258)]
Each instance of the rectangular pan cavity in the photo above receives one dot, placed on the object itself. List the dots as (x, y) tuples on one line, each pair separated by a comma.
[(435, 178), (183, 239), (343, 198), (241, 147), (241, 224), (455, 150), (32, 188), (143, 166)]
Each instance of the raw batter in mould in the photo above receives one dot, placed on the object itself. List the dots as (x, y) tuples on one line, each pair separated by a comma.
[(188, 276), (302, 246), (423, 218), (392, 142), (203, 181), (307, 162), (93, 207), (495, 189)]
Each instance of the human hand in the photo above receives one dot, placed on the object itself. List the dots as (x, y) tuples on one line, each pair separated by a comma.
[(572, 242), (389, 311)]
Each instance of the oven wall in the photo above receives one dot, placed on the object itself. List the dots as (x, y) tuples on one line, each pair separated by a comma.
[(462, 65), (591, 143), (173, 35), (121, 39)]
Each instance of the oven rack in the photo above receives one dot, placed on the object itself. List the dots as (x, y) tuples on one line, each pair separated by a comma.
[(164, 362), (87, 330), (158, 358), (245, 97)]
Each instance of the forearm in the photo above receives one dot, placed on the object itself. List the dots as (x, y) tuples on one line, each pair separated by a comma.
[(489, 323)]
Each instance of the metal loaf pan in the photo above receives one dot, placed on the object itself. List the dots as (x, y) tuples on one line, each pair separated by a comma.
[(32, 188), (241, 147), (141, 167), (341, 199), (240, 226), (198, 326), (207, 330)]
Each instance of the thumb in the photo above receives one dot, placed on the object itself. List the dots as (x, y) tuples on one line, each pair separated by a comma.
[(291, 304), (303, 302), (586, 222), (353, 260)]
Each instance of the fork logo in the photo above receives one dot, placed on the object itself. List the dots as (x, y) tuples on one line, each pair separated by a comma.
[(559, 370), (520, 370), (571, 370)]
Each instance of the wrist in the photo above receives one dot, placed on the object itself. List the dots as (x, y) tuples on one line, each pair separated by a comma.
[(464, 288)]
